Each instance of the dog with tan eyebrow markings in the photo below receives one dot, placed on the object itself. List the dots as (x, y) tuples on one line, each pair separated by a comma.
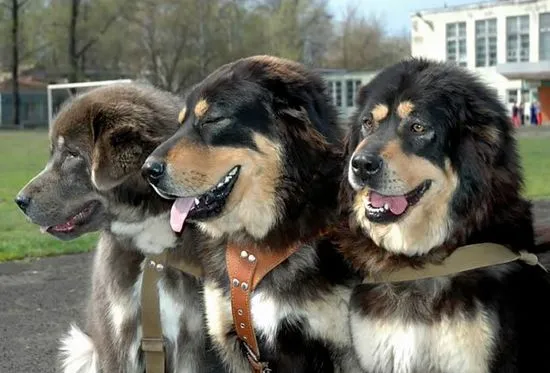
[(439, 230), (256, 166)]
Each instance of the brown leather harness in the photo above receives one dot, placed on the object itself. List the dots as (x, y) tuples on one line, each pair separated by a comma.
[(152, 340), (246, 267)]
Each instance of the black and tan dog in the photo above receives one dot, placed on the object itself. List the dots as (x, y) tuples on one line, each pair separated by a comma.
[(256, 165), (93, 181), (433, 166)]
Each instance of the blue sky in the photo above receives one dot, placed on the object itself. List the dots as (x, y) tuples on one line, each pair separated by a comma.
[(395, 12)]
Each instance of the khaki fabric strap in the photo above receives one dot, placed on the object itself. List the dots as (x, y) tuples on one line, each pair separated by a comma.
[(152, 342), (246, 267), (464, 258), (185, 267)]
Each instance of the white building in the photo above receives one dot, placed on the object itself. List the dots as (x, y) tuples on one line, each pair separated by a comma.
[(343, 86), (506, 42)]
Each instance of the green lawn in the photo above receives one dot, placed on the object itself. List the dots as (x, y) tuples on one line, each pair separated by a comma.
[(535, 156), (23, 154)]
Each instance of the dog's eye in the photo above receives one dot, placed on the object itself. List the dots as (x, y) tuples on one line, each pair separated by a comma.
[(220, 121), (418, 128), (366, 121), (72, 154)]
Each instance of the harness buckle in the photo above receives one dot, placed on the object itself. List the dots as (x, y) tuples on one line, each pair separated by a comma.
[(254, 361)]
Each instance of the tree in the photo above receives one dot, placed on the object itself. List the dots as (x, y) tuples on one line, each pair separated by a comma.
[(296, 29), (23, 18), (176, 43), (14, 7), (362, 43), (94, 28)]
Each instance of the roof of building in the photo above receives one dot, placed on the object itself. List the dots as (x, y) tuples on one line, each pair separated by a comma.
[(25, 82), (471, 6)]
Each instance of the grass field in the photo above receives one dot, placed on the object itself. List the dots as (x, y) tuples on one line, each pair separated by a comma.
[(23, 154)]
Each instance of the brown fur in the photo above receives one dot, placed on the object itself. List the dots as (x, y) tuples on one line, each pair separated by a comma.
[(122, 112), (279, 67), (106, 133)]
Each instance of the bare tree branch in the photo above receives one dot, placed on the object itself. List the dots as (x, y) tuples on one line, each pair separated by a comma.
[(103, 30), (33, 51)]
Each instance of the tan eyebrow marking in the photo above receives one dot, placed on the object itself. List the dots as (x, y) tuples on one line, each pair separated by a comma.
[(201, 108), (181, 115), (379, 112), (404, 109)]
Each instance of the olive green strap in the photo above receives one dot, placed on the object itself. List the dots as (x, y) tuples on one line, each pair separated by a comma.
[(464, 258), (152, 342)]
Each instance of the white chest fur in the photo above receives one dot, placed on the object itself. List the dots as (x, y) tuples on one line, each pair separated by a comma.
[(172, 310), (151, 235), (453, 345), (326, 316)]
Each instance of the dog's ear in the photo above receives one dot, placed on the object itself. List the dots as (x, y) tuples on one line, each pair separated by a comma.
[(121, 145)]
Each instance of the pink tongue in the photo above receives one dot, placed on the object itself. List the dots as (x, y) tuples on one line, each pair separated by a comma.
[(179, 212), (397, 204)]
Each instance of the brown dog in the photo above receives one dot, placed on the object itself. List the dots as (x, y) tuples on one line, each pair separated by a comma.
[(92, 181)]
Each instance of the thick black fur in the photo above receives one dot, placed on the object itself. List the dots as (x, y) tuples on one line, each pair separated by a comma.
[(288, 105), (473, 131)]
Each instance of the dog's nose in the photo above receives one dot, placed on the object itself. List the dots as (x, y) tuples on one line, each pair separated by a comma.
[(153, 170), (22, 201), (365, 165)]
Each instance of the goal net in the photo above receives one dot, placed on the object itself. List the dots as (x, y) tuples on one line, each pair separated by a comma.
[(58, 93)]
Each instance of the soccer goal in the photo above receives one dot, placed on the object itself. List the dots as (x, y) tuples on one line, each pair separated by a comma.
[(75, 86)]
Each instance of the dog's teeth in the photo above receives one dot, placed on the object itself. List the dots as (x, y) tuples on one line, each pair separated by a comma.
[(221, 184), (227, 179), (233, 172), (386, 206), (197, 201)]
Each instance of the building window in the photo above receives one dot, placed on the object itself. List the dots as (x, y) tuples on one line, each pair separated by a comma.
[(352, 88), (456, 43), (331, 90), (517, 39), (350, 93), (486, 42), (338, 90), (544, 36), (512, 96)]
